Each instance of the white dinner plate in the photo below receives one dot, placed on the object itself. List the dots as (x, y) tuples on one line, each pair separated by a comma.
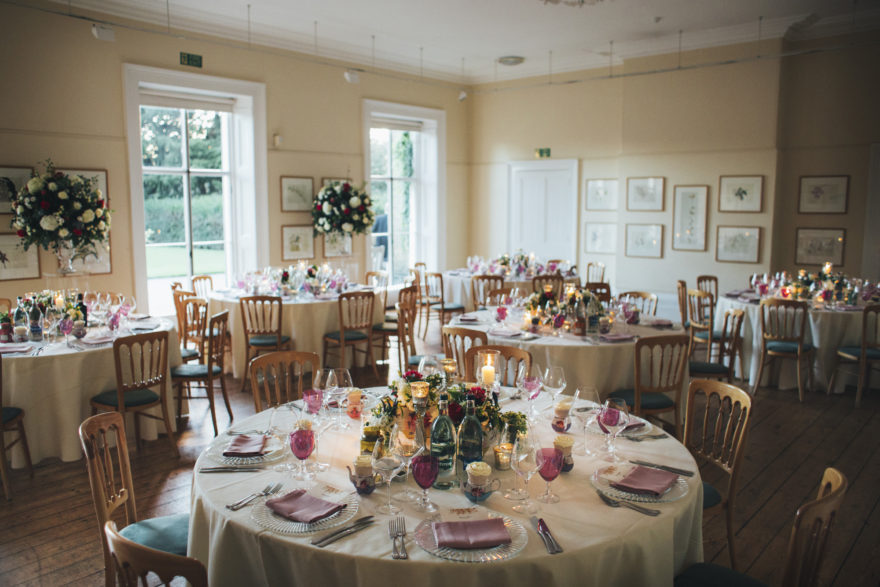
[(266, 518), (424, 537), (593, 427), (603, 477)]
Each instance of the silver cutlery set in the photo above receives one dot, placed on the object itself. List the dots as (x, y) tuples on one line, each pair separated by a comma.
[(267, 491), (397, 529)]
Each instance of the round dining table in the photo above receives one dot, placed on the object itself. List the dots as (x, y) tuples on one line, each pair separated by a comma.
[(54, 381), (457, 287), (602, 545)]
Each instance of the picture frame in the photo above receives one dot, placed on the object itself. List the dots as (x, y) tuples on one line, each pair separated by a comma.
[(738, 244), (12, 179), (297, 193), (102, 264), (645, 194), (741, 193), (815, 246), (337, 245), (823, 194), (325, 181), (600, 237), (644, 240), (297, 242), (689, 216), (15, 262), (601, 194), (102, 183)]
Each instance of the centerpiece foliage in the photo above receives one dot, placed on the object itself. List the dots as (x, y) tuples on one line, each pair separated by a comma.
[(343, 208)]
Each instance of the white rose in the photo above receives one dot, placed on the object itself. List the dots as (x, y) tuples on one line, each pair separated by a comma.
[(88, 216), (76, 179), (77, 206), (53, 186), (99, 212), (326, 208), (102, 225), (18, 224), (354, 202), (20, 210), (34, 185), (61, 195), (99, 193), (348, 227), (356, 217), (47, 176), (63, 232), (49, 223)]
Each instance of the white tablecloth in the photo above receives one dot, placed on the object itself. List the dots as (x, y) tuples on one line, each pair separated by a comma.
[(603, 546), (826, 330), (54, 389), (304, 320), (457, 288)]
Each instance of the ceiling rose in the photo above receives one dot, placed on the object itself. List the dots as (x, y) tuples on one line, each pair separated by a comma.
[(511, 60)]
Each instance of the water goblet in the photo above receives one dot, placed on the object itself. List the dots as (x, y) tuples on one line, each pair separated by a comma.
[(554, 380), (425, 468), (387, 464), (429, 365), (530, 385), (525, 463), (50, 321), (343, 387), (612, 419), (585, 413), (406, 449), (549, 465)]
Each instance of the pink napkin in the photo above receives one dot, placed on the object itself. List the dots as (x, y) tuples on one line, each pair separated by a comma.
[(473, 534), (14, 347), (848, 308), (246, 445), (326, 296), (736, 293), (661, 323), (468, 318), (619, 337), (506, 332), (633, 426), (646, 481), (96, 337), (299, 506)]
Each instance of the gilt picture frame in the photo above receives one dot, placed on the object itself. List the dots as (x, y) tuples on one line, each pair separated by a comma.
[(741, 193), (645, 194), (823, 194), (816, 246), (689, 217), (297, 193), (738, 244), (644, 240), (297, 242)]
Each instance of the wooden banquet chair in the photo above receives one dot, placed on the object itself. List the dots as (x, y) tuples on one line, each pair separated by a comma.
[(134, 563), (683, 303), (709, 284), (402, 328), (179, 295), (203, 285), (730, 344), (261, 321), (600, 289), (701, 320), (554, 281), (12, 421), (5, 305), (809, 540), (499, 296), (595, 273), (355, 327), (866, 356), (141, 364), (437, 304), (513, 357), (660, 363), (718, 438), (188, 375), (277, 378), (783, 328), (645, 301), (104, 445), (456, 342), (481, 285)]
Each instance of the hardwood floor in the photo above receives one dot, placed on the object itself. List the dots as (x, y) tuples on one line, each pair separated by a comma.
[(50, 535)]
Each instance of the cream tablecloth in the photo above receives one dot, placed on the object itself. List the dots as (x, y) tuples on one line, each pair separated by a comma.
[(603, 546), (457, 287), (54, 389)]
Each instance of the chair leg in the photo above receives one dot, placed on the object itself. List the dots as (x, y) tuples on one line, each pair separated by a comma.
[(179, 387), (730, 545), (371, 358), (225, 396), (209, 390), (800, 381), (168, 429), (24, 447), (760, 374), (137, 430), (4, 468), (864, 366)]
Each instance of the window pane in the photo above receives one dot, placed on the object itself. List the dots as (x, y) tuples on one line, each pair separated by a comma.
[(379, 139), (205, 139), (161, 138), (210, 260), (402, 154), (400, 231), (207, 208), (164, 226), (379, 196)]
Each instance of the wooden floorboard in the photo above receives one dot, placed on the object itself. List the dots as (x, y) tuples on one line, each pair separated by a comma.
[(50, 534)]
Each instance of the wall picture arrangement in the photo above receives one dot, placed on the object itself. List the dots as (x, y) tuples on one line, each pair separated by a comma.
[(337, 245), (600, 237), (689, 217), (738, 244), (15, 262), (297, 193), (823, 194), (601, 194), (741, 193), (297, 242), (11, 180), (815, 246), (645, 193), (644, 240), (100, 264)]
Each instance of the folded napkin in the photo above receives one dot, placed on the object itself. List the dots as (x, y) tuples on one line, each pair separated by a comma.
[(299, 506), (473, 534), (246, 445), (97, 337), (14, 347), (326, 296), (736, 293), (848, 308), (615, 337), (661, 323), (633, 426), (468, 318), (138, 316), (145, 324), (646, 481), (503, 331)]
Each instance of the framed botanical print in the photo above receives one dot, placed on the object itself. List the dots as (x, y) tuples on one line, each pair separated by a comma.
[(823, 194), (689, 217), (15, 262), (337, 245), (741, 193), (601, 194), (645, 193), (600, 237), (297, 242), (11, 180), (816, 246), (297, 193), (644, 240), (738, 244)]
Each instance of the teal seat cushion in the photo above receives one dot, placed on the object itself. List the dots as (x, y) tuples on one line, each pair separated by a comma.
[(414, 360), (704, 335), (704, 367), (856, 351), (448, 307), (194, 370), (10, 414), (788, 347), (388, 327), (266, 340), (390, 316), (166, 533), (186, 353), (709, 575), (711, 497), (138, 397), (351, 335), (650, 401)]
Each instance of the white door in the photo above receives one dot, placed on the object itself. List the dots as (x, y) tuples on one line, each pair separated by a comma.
[(543, 208)]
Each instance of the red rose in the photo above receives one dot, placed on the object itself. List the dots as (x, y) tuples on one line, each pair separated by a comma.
[(346, 186), (77, 231), (20, 232), (100, 203), (43, 192), (362, 207), (317, 205), (456, 413), (44, 205), (347, 211), (479, 395)]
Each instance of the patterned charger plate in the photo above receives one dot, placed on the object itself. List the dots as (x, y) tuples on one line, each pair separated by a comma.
[(424, 537), (604, 477), (267, 519), (274, 452)]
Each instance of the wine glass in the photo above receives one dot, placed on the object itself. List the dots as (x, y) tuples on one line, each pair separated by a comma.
[(525, 463), (530, 385), (302, 444), (66, 326), (387, 464), (612, 419), (429, 365), (129, 302), (50, 321), (554, 380), (425, 468), (339, 394), (549, 465), (585, 413), (405, 449)]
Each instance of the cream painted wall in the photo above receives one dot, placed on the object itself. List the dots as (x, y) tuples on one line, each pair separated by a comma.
[(66, 102)]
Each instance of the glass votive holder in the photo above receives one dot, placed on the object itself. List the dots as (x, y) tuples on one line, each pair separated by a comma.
[(503, 454), (20, 334), (604, 325), (564, 445), (487, 365)]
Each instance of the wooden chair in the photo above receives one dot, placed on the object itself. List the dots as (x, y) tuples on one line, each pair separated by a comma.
[(402, 328), (709, 284), (718, 438), (499, 296), (645, 301), (415, 278), (554, 281), (437, 304), (203, 285), (866, 356), (456, 342), (783, 328), (186, 353), (481, 285), (5, 305), (660, 363), (683, 303), (134, 563), (701, 320), (806, 549), (205, 373), (141, 364), (277, 378), (104, 445), (195, 325), (513, 358), (12, 421), (595, 272), (261, 321), (600, 290), (731, 333), (355, 327)]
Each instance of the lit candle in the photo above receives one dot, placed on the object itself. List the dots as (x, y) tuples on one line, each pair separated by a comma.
[(419, 389), (59, 301), (502, 456), (488, 375), (829, 267)]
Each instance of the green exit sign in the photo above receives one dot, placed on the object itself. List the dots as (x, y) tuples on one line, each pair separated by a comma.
[(190, 59), (543, 153)]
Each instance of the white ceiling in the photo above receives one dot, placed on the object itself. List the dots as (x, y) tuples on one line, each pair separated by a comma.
[(433, 37)]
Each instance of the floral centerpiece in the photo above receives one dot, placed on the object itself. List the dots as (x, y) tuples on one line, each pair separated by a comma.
[(63, 213), (522, 266), (343, 208)]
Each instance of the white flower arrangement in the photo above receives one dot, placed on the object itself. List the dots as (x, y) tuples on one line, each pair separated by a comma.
[(343, 208)]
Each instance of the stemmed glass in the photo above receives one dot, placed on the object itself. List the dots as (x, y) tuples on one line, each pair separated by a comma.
[(549, 466), (429, 365), (586, 414), (525, 463), (425, 468), (612, 419), (530, 385), (302, 444), (343, 386), (554, 380), (406, 449), (66, 327), (50, 321), (387, 464)]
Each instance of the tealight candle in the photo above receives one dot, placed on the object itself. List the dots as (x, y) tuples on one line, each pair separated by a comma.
[(502, 456), (20, 333)]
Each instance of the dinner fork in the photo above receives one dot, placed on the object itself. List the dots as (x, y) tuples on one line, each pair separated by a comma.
[(401, 533), (392, 533), (616, 504), (646, 437), (268, 490)]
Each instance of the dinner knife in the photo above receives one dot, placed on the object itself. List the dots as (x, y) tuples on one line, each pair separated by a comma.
[(360, 521), (347, 532), (546, 529), (676, 470), (547, 544), (230, 469)]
